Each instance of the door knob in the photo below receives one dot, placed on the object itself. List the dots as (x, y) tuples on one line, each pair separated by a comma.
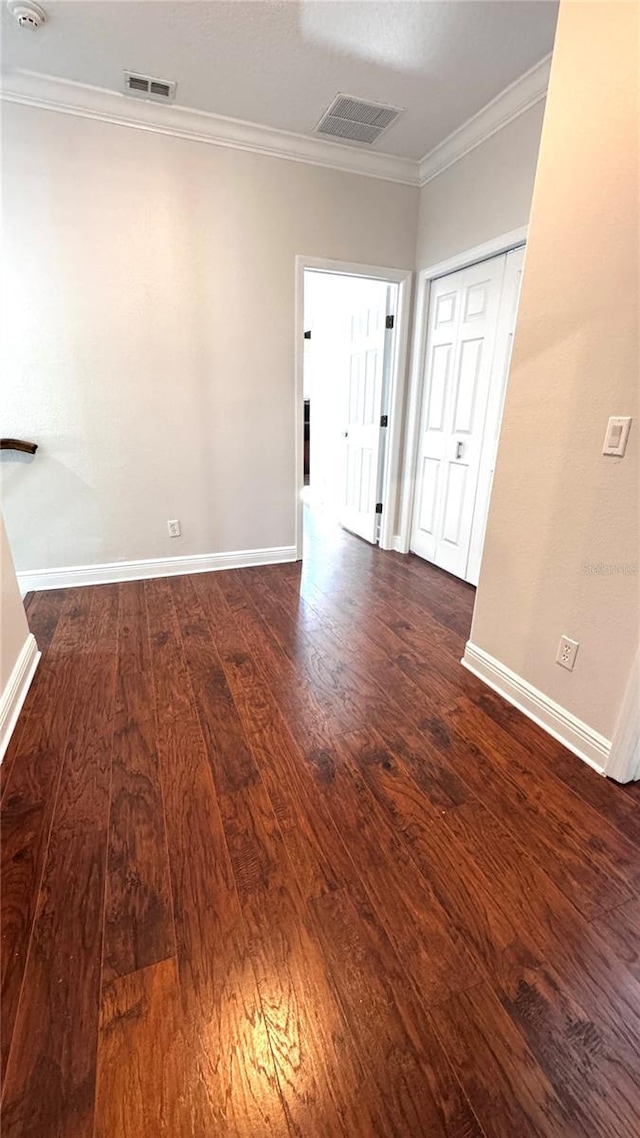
[(345, 434)]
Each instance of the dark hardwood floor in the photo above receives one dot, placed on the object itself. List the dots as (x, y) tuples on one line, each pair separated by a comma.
[(273, 863)]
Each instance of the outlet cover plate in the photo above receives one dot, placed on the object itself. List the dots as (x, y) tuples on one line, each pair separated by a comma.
[(567, 652)]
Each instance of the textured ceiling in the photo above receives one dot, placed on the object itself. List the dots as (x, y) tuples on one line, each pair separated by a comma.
[(281, 63)]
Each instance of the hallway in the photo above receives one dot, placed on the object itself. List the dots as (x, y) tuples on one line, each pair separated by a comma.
[(274, 863)]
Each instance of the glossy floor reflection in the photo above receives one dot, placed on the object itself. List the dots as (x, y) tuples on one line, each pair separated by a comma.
[(274, 863)]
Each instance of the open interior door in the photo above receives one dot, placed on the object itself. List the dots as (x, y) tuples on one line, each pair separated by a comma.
[(365, 390)]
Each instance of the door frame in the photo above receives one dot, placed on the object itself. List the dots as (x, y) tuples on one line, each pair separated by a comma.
[(403, 278), (463, 260), (623, 761)]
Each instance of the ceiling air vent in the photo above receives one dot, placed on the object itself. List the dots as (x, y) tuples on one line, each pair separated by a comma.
[(144, 87), (356, 119)]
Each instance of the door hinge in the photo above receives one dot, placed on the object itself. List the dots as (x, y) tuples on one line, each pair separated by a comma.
[(307, 335), (389, 322), (378, 507), (384, 420)]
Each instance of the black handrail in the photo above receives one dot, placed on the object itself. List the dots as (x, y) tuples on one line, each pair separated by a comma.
[(18, 444)]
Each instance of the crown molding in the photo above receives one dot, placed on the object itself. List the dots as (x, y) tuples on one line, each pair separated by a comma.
[(49, 93), (529, 89), (62, 95)]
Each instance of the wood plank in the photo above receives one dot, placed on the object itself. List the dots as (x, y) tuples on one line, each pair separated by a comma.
[(621, 930), (232, 762), (399, 908), (508, 1091), (219, 996), (619, 810), (148, 1082), (581, 957), (305, 717), (308, 832), (29, 798), (417, 923), (368, 659), (50, 1079), (410, 684), (546, 810), (473, 913), (564, 1039), (582, 881), (134, 653), (397, 1045), (138, 914), (43, 615), (569, 1042), (320, 663), (138, 911), (321, 1078)]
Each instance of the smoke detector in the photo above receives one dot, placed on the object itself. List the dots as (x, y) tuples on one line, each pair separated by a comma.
[(27, 14)]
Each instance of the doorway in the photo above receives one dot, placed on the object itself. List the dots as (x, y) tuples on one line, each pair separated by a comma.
[(352, 324), (469, 325)]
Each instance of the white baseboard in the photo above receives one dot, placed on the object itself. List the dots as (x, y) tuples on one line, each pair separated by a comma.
[(68, 577), (400, 545), (586, 743), (15, 692)]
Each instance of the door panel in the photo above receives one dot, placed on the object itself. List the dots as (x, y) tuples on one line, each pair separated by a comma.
[(506, 328), (429, 495), (440, 367), (461, 338), (362, 430), (454, 503)]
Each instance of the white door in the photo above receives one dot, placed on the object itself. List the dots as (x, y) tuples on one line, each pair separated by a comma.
[(361, 464), (495, 406), (461, 338)]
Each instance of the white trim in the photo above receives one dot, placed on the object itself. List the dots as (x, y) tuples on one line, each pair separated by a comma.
[(52, 94), (404, 280), (66, 97), (624, 759), (398, 381), (16, 689), (586, 743), (492, 248), (524, 93), (68, 577)]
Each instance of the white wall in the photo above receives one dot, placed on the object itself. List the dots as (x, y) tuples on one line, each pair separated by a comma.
[(483, 195), (13, 622), (561, 554), (149, 332)]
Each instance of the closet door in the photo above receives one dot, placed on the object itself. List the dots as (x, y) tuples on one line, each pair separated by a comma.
[(495, 406), (461, 339)]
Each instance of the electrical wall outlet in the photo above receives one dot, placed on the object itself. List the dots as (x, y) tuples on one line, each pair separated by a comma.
[(174, 528), (567, 651)]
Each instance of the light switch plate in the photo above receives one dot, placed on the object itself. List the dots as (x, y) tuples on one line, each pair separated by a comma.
[(615, 440)]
